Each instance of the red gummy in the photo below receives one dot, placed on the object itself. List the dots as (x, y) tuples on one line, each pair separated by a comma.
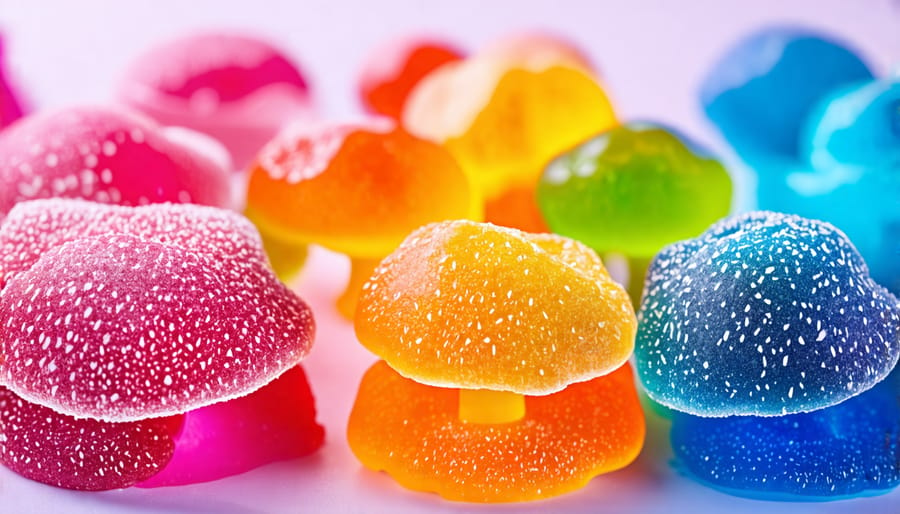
[(123, 326), (104, 155), (84, 454), (395, 68), (275, 423)]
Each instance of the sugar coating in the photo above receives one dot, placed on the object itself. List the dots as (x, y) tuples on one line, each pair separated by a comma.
[(104, 155), (86, 454), (472, 305), (139, 322), (848, 449), (413, 432), (764, 314)]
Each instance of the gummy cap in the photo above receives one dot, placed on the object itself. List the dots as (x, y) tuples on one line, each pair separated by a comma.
[(120, 313), (764, 314), (472, 305)]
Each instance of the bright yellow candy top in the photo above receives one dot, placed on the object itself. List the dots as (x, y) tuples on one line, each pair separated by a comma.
[(473, 305)]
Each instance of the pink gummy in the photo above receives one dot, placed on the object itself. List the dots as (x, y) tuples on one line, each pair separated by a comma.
[(237, 89), (10, 107), (104, 155), (128, 325), (275, 423), (85, 454)]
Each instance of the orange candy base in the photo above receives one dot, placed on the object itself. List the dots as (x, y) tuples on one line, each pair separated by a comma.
[(413, 432)]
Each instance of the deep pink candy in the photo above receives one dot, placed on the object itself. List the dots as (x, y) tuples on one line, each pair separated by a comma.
[(123, 316), (105, 155), (240, 90), (10, 106)]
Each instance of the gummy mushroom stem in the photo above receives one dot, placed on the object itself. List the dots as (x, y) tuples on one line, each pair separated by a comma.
[(637, 272), (488, 406), (360, 271)]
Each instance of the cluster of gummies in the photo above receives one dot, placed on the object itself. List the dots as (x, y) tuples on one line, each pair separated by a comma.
[(774, 348), (150, 342)]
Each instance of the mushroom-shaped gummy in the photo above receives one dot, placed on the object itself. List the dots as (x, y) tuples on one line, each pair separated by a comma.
[(10, 107), (240, 90), (764, 314), (505, 113), (504, 375), (146, 337), (367, 185), (108, 156), (394, 69), (633, 190), (760, 92)]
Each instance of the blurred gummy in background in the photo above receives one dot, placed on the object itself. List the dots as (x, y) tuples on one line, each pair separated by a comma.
[(822, 135), (10, 106)]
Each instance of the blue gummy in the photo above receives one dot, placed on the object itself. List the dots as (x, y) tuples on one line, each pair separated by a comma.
[(759, 93), (763, 314), (850, 449)]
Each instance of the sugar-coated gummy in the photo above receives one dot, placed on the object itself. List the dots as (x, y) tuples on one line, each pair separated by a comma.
[(473, 305), (137, 323), (850, 449), (413, 432), (764, 314), (104, 155)]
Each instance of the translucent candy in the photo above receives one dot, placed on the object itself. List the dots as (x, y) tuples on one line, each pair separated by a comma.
[(764, 314), (394, 69), (106, 156), (10, 106), (505, 113), (472, 305), (276, 422), (849, 449), (761, 91), (126, 325), (412, 431), (87, 454), (237, 89)]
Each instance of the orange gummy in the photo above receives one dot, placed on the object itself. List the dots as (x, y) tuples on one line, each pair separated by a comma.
[(473, 305), (412, 432), (516, 208), (353, 189)]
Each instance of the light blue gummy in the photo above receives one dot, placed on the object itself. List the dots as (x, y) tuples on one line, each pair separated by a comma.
[(763, 314), (848, 450), (823, 136)]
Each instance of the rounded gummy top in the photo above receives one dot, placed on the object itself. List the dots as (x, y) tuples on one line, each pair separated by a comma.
[(633, 189), (105, 155), (368, 186), (125, 313), (471, 305), (764, 314)]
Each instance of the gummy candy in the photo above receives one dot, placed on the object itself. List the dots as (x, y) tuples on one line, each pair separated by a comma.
[(413, 432), (476, 317), (369, 185), (104, 155), (394, 69), (237, 89), (86, 454), (761, 91), (764, 314), (504, 114), (633, 190), (120, 314), (846, 450), (276, 422), (10, 107), (454, 304)]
